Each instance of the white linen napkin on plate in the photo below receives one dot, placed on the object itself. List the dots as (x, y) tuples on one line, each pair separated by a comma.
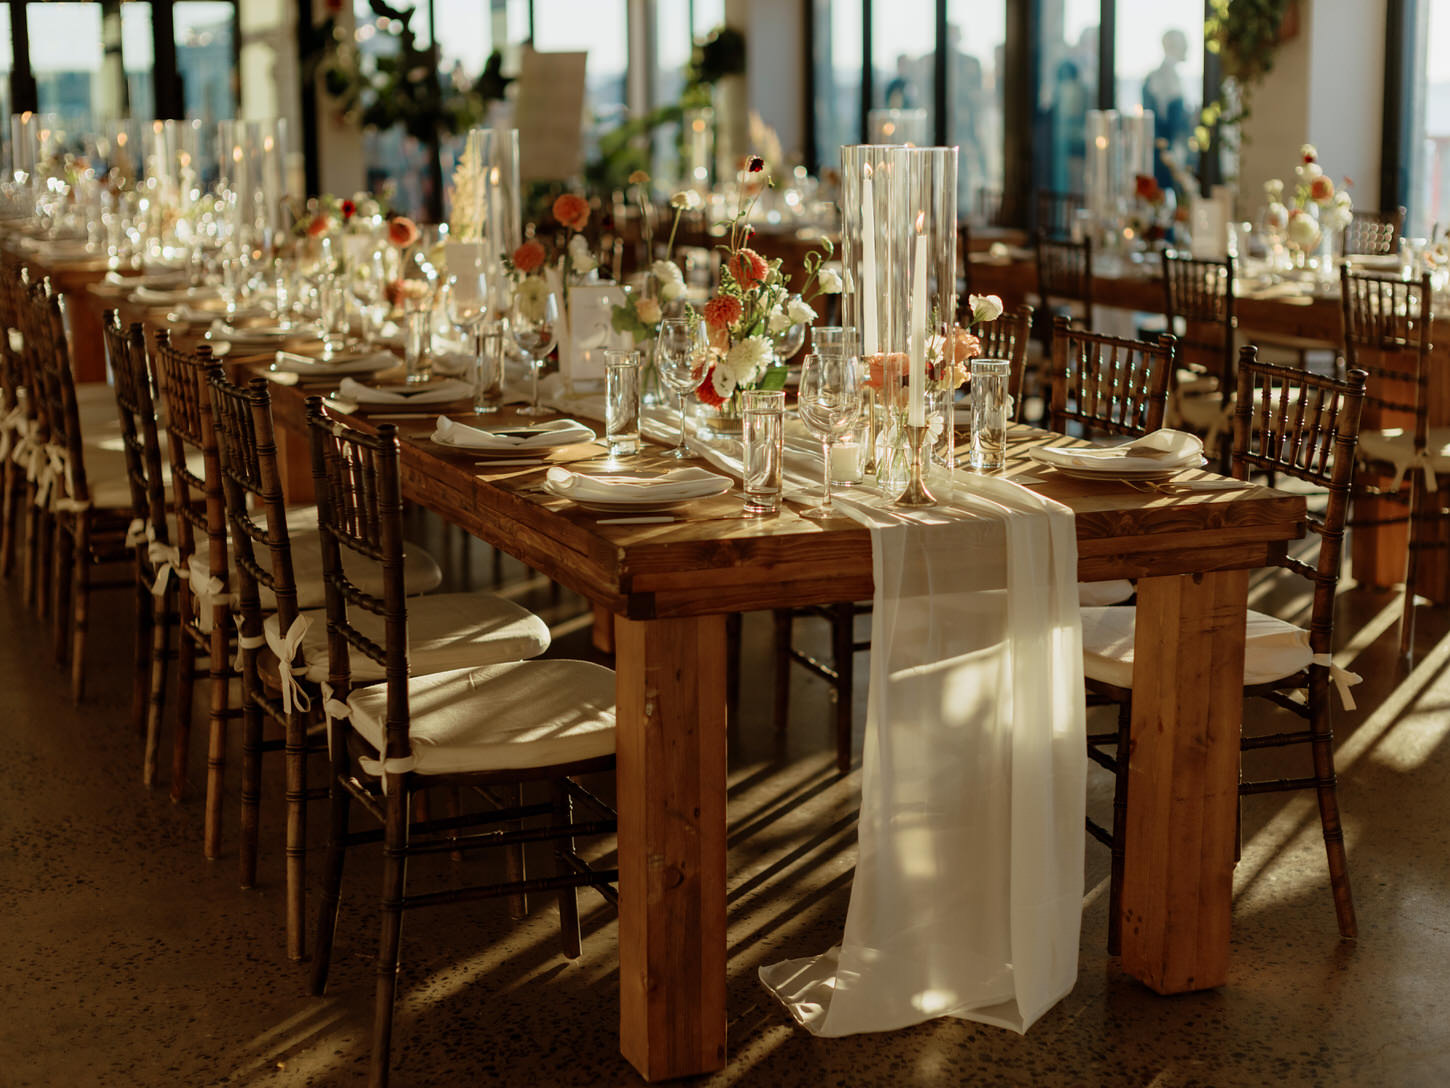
[(262, 334), (557, 432), (145, 294), (677, 484), (1165, 448), (290, 362), (427, 393)]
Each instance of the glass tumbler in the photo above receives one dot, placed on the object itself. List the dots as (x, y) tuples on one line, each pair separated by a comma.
[(621, 402), (763, 413), (989, 414)]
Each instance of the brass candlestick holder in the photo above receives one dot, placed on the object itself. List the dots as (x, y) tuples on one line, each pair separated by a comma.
[(916, 493)]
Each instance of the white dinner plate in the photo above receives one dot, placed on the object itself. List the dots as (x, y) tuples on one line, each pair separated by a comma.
[(1108, 472), (290, 363), (635, 506), (531, 450)]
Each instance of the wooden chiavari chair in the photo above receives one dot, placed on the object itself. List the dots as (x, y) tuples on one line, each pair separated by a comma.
[(148, 535), (284, 652), (1296, 424), (83, 515), (17, 412), (1198, 304), (1386, 325), (541, 721), (1064, 281), (1372, 233), (1107, 384), (1055, 212)]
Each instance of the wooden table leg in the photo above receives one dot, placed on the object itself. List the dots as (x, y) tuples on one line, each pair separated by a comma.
[(1183, 780), (671, 799)]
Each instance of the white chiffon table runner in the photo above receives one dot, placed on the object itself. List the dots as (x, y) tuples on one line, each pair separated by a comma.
[(967, 899)]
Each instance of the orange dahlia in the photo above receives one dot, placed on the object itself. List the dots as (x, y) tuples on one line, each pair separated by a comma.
[(572, 211), (722, 311), (529, 257), (748, 268)]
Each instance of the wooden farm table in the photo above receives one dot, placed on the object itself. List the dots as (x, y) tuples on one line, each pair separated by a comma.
[(1377, 553), (670, 586)]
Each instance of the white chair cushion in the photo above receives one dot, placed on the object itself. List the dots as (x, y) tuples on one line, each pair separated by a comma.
[(503, 717), (1093, 594), (445, 631), (1396, 446), (1190, 382), (1275, 649)]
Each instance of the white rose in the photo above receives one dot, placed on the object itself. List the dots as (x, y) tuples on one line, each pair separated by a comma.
[(799, 311), (648, 311), (1307, 151), (580, 258), (747, 359), (777, 322), (985, 307), (829, 281), (1303, 231), (723, 382), (1273, 189), (671, 290), (667, 271), (1276, 216)]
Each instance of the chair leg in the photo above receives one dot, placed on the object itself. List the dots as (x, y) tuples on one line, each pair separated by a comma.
[(568, 897), (783, 625), (186, 670), (1412, 565), (251, 782), (156, 703), (843, 653), (1120, 829), (395, 861), (44, 563), (61, 558), (1323, 749), (514, 856), (141, 667), (339, 811), (295, 754), (9, 490), (80, 611), (30, 580)]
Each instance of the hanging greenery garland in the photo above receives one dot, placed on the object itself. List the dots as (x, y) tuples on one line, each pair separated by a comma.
[(1245, 35)]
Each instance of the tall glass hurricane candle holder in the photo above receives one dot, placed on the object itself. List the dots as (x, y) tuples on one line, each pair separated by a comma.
[(495, 153), (927, 222), (873, 299), (1102, 165)]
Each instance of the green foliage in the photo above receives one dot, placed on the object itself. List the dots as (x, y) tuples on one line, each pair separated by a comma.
[(774, 379), (1245, 36), (399, 87)]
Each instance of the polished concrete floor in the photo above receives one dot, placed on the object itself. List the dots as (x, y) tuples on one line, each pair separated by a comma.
[(126, 959)]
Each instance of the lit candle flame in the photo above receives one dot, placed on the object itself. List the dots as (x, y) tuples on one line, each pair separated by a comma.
[(921, 221)]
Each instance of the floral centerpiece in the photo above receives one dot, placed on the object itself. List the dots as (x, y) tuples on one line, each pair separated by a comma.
[(753, 307), (1315, 212), (640, 314)]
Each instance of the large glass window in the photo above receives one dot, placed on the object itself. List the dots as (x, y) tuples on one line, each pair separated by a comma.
[(836, 96), (599, 28), (903, 51), (1067, 89), (1429, 200), (976, 43), (1159, 60)]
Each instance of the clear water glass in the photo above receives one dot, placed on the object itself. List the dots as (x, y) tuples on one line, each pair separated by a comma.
[(989, 413), (763, 416), (847, 455), (621, 403), (488, 370), (418, 348)]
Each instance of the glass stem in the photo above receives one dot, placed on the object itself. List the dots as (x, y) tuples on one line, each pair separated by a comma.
[(534, 368), (683, 398), (826, 501)]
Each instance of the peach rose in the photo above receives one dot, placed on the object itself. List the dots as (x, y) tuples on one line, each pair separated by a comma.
[(1321, 189), (648, 310), (529, 257), (572, 211), (319, 225), (402, 231)]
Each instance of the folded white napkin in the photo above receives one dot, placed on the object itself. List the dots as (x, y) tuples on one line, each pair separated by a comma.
[(1164, 448), (424, 393), (145, 294), (557, 432), (290, 362), (677, 484), (260, 334)]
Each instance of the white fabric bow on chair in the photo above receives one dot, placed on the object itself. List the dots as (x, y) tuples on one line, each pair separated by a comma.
[(285, 647), (1341, 678)]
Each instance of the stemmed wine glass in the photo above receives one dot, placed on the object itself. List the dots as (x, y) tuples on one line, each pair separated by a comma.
[(365, 283), (829, 400), (683, 354), (533, 314), (467, 307)]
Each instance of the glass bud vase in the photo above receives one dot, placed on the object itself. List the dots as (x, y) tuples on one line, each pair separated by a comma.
[(417, 358)]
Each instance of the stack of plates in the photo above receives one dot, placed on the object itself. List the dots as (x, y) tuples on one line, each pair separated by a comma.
[(1156, 456), (618, 494)]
